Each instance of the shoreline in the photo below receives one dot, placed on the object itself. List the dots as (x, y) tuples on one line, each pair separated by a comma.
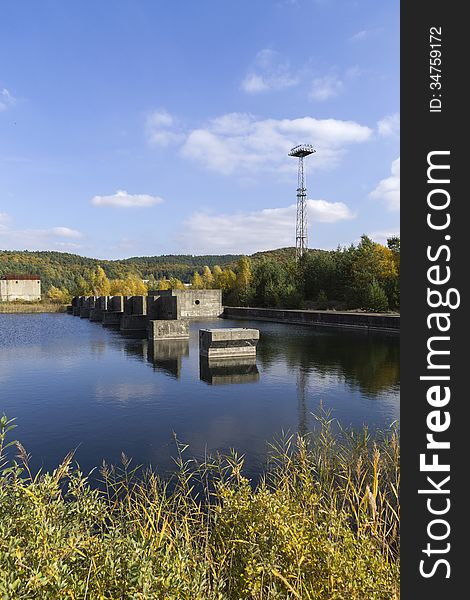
[(383, 322), (13, 308)]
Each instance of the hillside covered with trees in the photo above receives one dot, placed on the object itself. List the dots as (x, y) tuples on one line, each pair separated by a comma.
[(363, 276)]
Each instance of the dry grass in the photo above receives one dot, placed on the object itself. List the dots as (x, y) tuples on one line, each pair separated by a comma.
[(322, 524), (30, 307)]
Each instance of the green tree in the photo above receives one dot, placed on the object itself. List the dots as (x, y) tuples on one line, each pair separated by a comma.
[(100, 283), (163, 284), (218, 276), (375, 298), (322, 300), (319, 272), (132, 285), (176, 284), (243, 281), (373, 262), (207, 277), (83, 285), (276, 284), (196, 282), (59, 295)]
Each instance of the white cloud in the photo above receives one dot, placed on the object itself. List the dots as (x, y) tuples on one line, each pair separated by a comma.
[(325, 87), (122, 199), (161, 128), (388, 190), (360, 35), (253, 84), (65, 232), (268, 72), (38, 239), (389, 125), (6, 99), (382, 236), (254, 231), (238, 141), (67, 245)]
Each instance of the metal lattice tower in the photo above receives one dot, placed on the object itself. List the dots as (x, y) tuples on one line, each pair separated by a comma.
[(301, 236)]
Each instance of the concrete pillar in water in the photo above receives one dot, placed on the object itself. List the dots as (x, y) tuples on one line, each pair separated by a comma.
[(228, 343), (168, 329)]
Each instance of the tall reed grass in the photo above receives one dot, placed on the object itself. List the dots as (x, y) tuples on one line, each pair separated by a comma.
[(323, 523)]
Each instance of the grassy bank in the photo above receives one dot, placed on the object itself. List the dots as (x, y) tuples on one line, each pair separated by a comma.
[(322, 524), (30, 307)]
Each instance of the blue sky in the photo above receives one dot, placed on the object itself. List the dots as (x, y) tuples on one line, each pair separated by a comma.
[(141, 127)]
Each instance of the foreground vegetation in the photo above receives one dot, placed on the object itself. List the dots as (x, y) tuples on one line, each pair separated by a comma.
[(322, 524)]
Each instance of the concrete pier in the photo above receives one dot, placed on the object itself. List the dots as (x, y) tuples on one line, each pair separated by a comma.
[(77, 303), (116, 303), (96, 315), (134, 321), (101, 305), (112, 318), (87, 305), (228, 343), (135, 305), (166, 329), (184, 304), (134, 324)]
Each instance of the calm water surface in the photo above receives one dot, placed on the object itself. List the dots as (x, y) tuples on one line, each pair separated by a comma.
[(73, 384)]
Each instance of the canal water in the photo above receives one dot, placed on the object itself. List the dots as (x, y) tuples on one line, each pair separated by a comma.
[(73, 384)]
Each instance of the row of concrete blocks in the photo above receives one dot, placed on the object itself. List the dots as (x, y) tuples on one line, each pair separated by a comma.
[(158, 304), (132, 315)]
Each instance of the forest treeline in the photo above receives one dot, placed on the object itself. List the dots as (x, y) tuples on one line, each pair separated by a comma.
[(363, 276)]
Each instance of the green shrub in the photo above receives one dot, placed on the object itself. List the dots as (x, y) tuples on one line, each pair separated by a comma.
[(375, 298)]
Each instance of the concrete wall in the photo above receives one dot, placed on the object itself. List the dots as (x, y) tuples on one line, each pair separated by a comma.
[(116, 303), (168, 308), (134, 323), (21, 289), (168, 330), (194, 304), (367, 321), (190, 304)]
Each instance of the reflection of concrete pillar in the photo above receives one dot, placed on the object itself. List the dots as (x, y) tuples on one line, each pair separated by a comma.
[(227, 371), (166, 355)]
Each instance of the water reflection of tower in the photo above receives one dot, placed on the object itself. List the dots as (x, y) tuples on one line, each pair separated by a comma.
[(302, 382)]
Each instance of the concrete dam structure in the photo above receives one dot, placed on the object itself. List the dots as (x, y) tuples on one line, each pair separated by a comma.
[(227, 355), (162, 315)]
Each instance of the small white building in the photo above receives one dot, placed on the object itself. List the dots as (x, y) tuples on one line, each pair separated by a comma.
[(20, 287)]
